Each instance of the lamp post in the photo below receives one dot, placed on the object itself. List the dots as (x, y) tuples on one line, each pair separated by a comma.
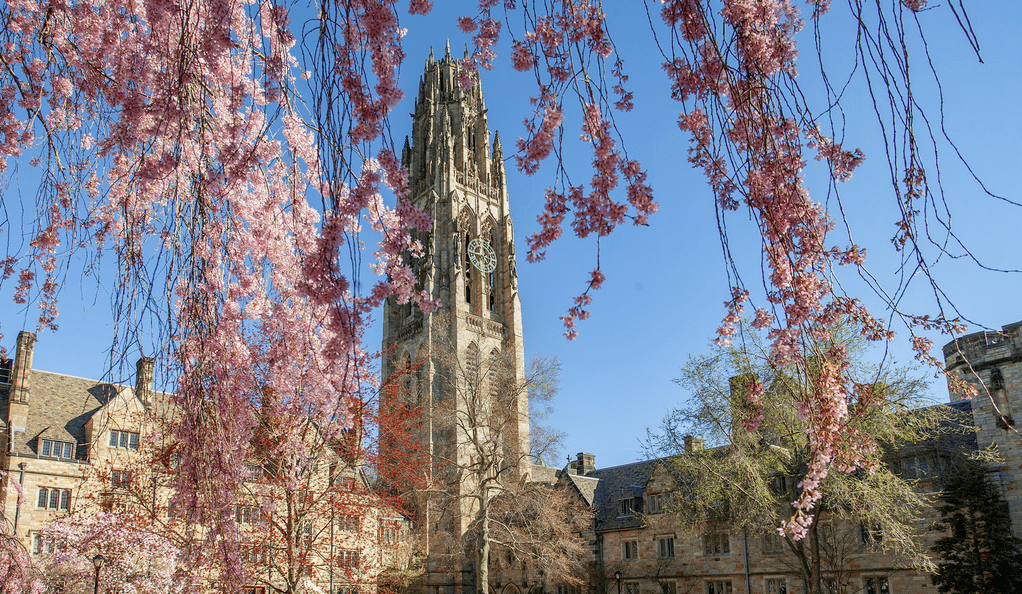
[(97, 562), (617, 576)]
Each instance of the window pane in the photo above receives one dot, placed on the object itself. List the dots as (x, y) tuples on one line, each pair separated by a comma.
[(113, 439), (54, 498), (38, 548), (67, 450), (133, 441), (65, 500), (42, 498), (124, 439), (45, 450)]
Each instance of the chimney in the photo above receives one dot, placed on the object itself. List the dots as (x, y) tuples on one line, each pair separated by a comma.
[(694, 444), (20, 390), (144, 379), (584, 463), (20, 387)]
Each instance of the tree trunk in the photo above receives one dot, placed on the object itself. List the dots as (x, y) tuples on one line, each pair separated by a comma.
[(483, 560), (814, 556)]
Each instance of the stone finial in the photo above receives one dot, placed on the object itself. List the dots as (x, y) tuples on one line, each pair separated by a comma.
[(498, 150), (447, 52)]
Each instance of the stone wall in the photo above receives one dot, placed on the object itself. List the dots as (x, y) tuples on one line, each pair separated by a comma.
[(992, 362)]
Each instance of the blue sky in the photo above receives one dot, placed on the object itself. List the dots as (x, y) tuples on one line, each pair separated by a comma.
[(663, 297)]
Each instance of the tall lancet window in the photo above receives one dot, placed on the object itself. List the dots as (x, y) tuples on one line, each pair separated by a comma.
[(468, 271), (489, 293)]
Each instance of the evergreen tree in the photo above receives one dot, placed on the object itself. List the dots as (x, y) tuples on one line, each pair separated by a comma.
[(979, 553)]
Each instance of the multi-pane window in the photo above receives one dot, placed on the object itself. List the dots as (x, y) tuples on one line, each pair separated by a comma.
[(668, 588), (915, 467), (716, 543), (253, 554), (632, 588), (773, 543), (877, 585), (46, 544), (54, 499), (347, 558), (830, 586), (825, 532), (347, 524), (303, 535), (872, 534), (631, 549), (247, 514), (718, 587), (120, 478), (625, 506), (254, 472), (57, 449), (658, 503), (776, 586), (665, 547), (778, 485), (124, 439)]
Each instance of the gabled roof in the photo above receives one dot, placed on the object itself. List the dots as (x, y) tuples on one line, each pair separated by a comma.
[(586, 486), (616, 483), (58, 408)]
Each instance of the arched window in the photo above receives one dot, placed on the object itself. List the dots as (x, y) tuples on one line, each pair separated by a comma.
[(468, 271), (472, 363)]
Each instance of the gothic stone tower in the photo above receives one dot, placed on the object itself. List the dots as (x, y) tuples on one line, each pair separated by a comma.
[(468, 264)]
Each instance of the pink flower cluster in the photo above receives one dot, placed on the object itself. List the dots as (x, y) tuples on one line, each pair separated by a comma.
[(751, 153), (174, 138)]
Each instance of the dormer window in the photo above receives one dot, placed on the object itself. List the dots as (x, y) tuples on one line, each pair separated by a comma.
[(124, 440), (56, 449)]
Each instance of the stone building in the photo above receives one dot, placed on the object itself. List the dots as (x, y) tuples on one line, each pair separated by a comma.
[(992, 363), (81, 446), (468, 262), (641, 548), (463, 367)]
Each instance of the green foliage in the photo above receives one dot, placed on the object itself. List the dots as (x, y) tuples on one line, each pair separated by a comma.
[(978, 552), (755, 475)]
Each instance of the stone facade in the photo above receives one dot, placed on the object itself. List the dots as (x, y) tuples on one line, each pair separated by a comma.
[(992, 363), (468, 263), (77, 445), (642, 548), (639, 538)]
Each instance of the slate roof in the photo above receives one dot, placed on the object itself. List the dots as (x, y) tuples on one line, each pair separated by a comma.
[(615, 483), (586, 486), (58, 408), (545, 474)]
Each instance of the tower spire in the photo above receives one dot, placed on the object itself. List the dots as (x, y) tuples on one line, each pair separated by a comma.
[(468, 264)]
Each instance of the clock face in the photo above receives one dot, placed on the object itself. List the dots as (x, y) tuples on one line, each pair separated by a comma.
[(481, 255)]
